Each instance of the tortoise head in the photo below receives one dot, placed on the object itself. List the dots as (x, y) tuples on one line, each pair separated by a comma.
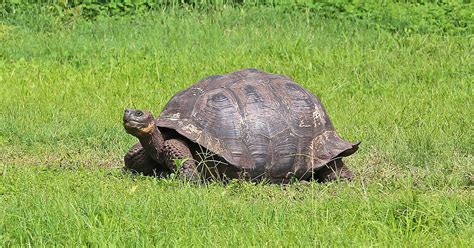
[(138, 123)]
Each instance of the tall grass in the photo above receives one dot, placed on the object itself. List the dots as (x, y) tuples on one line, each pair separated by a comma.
[(407, 96), (451, 17)]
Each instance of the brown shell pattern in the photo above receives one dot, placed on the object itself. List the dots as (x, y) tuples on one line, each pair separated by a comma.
[(263, 123)]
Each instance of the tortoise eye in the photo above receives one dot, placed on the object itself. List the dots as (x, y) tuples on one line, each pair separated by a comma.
[(138, 113)]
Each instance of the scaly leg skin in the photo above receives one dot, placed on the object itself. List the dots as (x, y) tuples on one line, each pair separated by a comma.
[(334, 170), (137, 161), (175, 150)]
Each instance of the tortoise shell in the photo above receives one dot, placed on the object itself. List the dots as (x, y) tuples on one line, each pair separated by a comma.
[(264, 124)]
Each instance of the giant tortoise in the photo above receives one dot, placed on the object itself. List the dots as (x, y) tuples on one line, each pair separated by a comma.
[(248, 124)]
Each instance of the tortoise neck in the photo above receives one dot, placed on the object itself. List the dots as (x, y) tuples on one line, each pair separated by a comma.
[(153, 143)]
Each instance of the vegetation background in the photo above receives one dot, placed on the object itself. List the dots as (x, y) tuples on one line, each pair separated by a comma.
[(396, 75)]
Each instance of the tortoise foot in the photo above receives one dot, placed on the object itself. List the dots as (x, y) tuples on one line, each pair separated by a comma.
[(138, 162)]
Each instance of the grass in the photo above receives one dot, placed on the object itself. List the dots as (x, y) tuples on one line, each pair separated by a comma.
[(408, 97), (46, 206)]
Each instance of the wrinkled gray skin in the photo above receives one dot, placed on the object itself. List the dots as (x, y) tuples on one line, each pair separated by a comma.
[(154, 155), (248, 124)]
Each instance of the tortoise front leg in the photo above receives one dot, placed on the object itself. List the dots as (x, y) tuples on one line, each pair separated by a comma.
[(137, 161), (177, 153)]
